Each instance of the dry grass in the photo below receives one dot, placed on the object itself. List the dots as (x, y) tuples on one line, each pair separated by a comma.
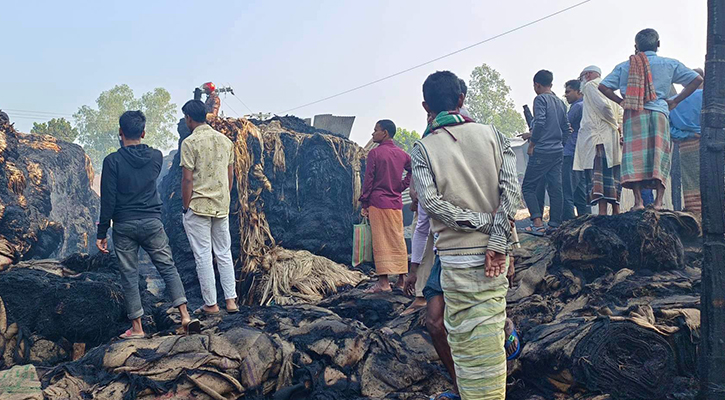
[(39, 142), (35, 173)]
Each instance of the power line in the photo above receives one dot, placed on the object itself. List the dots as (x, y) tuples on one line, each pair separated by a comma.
[(230, 107), (441, 57), (35, 112)]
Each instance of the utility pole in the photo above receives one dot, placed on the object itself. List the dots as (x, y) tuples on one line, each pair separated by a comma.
[(712, 187)]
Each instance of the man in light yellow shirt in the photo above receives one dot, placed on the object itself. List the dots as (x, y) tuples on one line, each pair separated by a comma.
[(207, 158)]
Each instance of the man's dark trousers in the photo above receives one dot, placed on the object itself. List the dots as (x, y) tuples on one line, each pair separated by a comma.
[(547, 168), (574, 188)]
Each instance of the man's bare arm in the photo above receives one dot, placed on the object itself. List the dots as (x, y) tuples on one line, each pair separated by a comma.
[(187, 187), (610, 94), (686, 92)]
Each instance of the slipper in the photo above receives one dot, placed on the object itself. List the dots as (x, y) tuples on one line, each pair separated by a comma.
[(193, 327), (534, 230), (377, 289), (513, 337), (446, 395), (201, 310), (233, 310), (130, 335)]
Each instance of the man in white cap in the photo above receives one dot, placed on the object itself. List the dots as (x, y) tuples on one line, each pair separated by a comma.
[(598, 148)]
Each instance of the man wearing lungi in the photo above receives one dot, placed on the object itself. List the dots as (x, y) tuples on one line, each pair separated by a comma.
[(382, 202), (644, 82), (465, 175)]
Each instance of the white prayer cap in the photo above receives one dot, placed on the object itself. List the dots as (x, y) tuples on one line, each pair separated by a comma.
[(592, 68)]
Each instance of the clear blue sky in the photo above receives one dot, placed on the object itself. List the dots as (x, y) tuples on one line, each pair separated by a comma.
[(280, 54)]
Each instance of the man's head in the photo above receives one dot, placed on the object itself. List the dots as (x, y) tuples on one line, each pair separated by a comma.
[(384, 130), (647, 40), (543, 81), (572, 91), (194, 113), (590, 73), (442, 92), (132, 126), (464, 88)]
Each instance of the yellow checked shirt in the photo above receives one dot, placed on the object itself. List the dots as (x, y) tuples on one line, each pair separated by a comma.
[(208, 154)]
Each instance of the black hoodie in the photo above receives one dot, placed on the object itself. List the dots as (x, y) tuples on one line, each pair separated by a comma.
[(128, 186)]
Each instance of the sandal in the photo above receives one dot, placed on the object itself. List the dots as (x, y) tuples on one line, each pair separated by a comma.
[(202, 311), (233, 310), (130, 335), (193, 327), (446, 395), (513, 337), (534, 230)]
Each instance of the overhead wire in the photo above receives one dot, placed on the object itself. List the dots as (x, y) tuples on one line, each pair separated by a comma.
[(240, 100), (441, 57)]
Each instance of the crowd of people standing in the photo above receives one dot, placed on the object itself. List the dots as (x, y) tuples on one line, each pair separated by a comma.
[(466, 192)]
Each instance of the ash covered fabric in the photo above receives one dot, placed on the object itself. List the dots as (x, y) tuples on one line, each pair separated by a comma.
[(208, 154), (647, 147), (474, 317), (605, 179), (690, 166), (389, 250), (20, 383)]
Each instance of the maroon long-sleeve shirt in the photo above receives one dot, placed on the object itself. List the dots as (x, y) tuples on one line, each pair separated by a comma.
[(384, 182)]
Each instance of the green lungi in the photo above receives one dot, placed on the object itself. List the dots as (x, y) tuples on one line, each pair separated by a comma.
[(474, 317)]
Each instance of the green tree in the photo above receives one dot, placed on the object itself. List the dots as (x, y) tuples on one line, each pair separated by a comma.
[(98, 128), (405, 139), (59, 128), (489, 101)]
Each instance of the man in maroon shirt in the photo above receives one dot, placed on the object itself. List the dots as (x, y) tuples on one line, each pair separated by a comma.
[(382, 203)]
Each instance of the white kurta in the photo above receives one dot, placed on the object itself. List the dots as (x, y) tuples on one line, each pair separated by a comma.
[(600, 125)]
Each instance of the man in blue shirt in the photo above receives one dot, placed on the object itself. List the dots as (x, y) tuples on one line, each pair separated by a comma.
[(647, 143), (574, 183)]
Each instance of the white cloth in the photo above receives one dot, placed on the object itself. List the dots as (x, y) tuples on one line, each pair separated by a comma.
[(206, 234), (476, 259), (600, 125)]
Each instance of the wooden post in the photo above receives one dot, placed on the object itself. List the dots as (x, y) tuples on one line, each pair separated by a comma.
[(712, 187)]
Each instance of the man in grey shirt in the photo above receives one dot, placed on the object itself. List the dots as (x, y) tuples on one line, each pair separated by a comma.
[(549, 130)]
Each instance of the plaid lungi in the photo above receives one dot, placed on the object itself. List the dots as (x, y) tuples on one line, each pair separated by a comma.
[(605, 180), (647, 147), (690, 167)]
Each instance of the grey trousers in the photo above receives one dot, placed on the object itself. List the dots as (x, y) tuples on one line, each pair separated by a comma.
[(148, 234)]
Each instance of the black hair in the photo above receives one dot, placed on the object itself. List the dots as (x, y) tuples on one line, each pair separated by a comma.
[(441, 91), (195, 110), (464, 88), (544, 78), (575, 84), (132, 123), (647, 39), (388, 125)]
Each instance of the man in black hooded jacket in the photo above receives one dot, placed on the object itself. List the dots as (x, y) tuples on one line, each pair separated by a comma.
[(129, 198)]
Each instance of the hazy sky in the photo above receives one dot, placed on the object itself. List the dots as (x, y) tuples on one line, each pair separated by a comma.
[(281, 54)]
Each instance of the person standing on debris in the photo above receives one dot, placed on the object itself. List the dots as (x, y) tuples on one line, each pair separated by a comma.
[(644, 82), (598, 150), (574, 183), (129, 198), (207, 158), (548, 133), (685, 128), (465, 174), (213, 102), (382, 202)]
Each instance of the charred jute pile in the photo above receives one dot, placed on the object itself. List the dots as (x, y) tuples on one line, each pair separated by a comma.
[(609, 306), (293, 206), (47, 207)]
